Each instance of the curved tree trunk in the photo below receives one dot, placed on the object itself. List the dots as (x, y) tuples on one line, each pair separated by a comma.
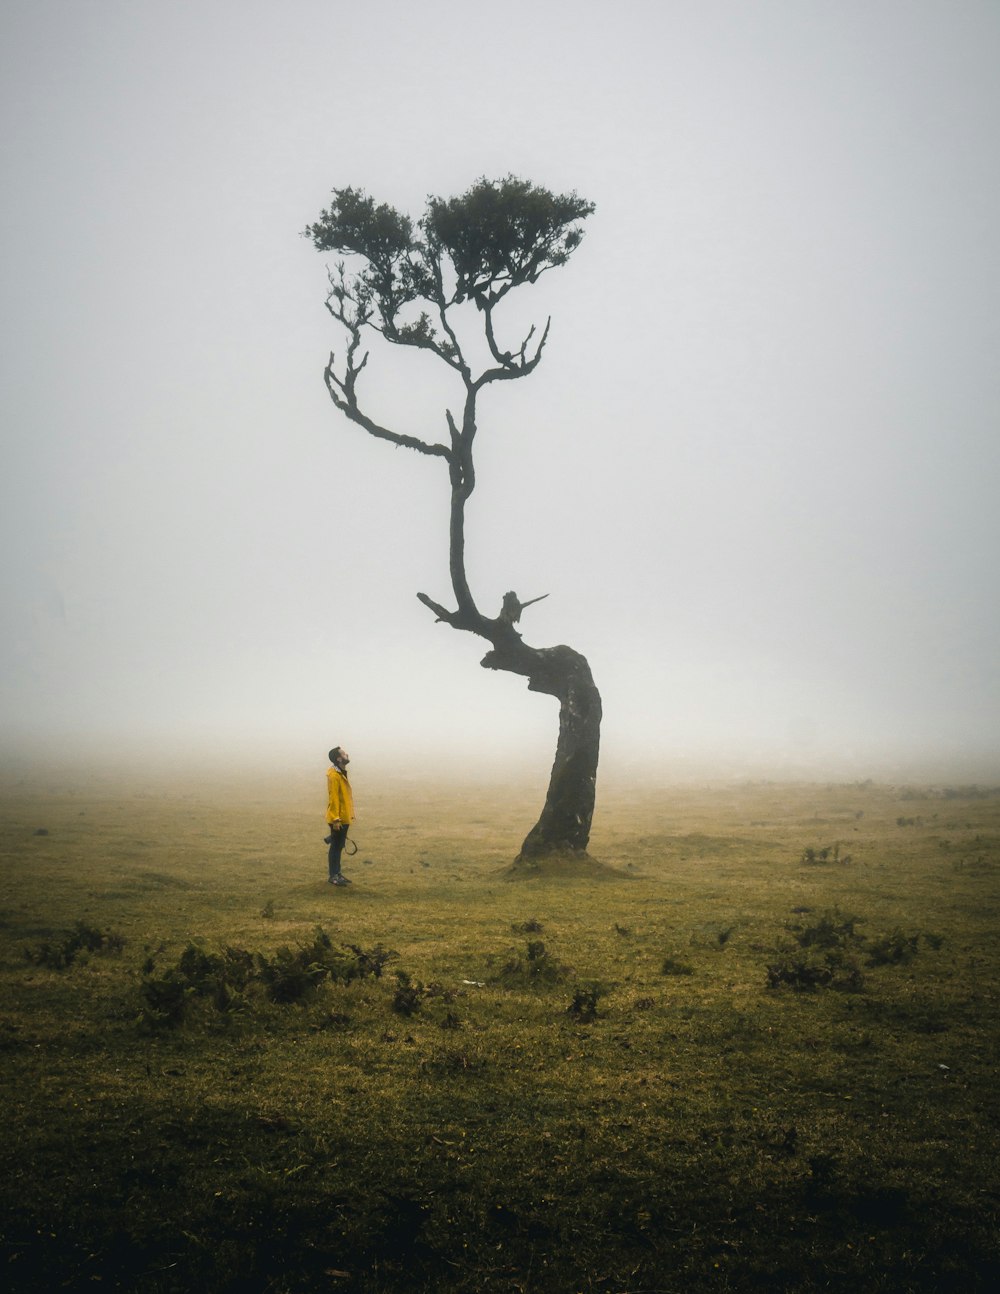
[(565, 821), (564, 825)]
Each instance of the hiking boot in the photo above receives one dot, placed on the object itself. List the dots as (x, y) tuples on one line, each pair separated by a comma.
[(339, 880)]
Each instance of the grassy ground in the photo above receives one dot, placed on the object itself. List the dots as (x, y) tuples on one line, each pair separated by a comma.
[(757, 1051)]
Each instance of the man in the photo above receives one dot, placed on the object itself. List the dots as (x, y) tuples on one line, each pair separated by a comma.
[(339, 811)]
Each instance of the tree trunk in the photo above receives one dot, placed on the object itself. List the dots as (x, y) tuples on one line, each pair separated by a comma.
[(565, 821), (564, 825)]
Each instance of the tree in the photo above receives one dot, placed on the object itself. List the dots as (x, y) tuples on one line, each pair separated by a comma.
[(417, 286)]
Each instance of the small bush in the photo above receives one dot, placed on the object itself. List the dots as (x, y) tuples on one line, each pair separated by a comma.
[(373, 960), (816, 856), (824, 956), (225, 978), (82, 938), (166, 1000), (288, 976), (537, 966), (892, 949), (806, 972), (406, 999), (826, 952), (832, 930), (671, 966), (584, 1004)]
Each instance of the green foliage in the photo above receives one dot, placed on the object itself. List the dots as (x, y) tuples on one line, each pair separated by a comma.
[(829, 948), (583, 1007), (165, 999), (62, 953), (810, 970), (372, 961), (535, 967), (406, 999), (288, 975), (354, 224), (892, 949), (815, 855), (502, 233), (823, 958), (833, 930), (496, 236)]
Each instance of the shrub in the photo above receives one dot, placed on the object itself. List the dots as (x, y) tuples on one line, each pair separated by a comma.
[(288, 976), (671, 966), (372, 962), (82, 938), (406, 999), (584, 1004), (815, 855), (832, 930), (165, 999), (537, 966), (823, 958), (808, 971), (892, 949)]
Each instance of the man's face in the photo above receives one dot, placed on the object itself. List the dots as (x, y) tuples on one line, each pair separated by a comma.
[(345, 758)]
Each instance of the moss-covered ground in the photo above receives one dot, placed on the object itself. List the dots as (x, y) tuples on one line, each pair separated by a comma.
[(756, 1051)]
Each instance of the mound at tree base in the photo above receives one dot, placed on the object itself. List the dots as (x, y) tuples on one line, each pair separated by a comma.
[(562, 864)]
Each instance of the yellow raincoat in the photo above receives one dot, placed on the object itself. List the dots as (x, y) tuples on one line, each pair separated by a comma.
[(340, 799)]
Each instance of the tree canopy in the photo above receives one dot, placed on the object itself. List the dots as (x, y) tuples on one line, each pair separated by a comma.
[(475, 247)]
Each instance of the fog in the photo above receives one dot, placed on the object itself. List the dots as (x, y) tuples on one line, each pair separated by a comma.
[(756, 471)]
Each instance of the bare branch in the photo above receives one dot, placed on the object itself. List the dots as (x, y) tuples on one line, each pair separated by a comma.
[(520, 369), (435, 265), (468, 620), (343, 396), (504, 358)]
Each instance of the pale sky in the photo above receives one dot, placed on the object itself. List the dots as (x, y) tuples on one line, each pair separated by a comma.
[(757, 471)]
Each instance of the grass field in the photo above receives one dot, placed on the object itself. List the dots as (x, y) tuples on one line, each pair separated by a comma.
[(755, 1050)]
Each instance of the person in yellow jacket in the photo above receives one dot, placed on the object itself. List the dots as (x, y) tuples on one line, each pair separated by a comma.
[(339, 811)]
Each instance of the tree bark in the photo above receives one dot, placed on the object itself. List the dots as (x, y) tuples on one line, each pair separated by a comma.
[(565, 821)]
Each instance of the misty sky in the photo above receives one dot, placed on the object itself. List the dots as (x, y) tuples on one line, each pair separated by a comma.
[(757, 471)]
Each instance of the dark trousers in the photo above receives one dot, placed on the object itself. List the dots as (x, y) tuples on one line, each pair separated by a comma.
[(338, 838)]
